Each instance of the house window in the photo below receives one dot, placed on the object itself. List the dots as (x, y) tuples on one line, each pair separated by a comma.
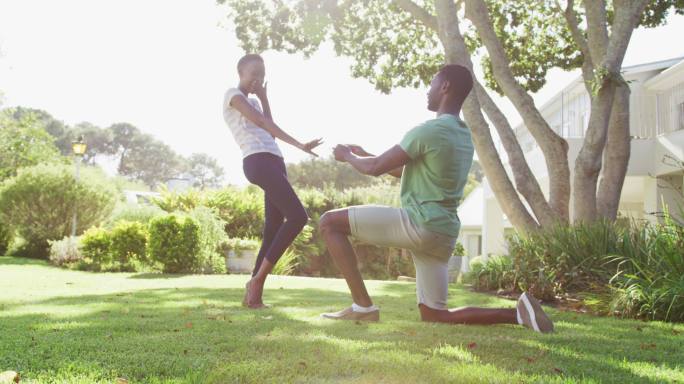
[(474, 245)]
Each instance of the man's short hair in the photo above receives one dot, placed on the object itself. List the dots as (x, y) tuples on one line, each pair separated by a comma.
[(460, 80), (248, 58)]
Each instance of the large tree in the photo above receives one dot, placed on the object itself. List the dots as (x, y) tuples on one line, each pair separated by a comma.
[(205, 170), (23, 143), (150, 161), (403, 43)]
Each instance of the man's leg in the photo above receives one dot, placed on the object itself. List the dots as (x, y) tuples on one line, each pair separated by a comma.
[(469, 315), (432, 286), (334, 226)]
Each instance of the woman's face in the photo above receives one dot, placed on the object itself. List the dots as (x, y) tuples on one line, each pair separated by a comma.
[(252, 75)]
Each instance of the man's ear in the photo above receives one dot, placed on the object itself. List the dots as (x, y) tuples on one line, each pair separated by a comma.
[(446, 85)]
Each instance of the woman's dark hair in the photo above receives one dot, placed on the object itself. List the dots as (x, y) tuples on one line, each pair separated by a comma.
[(248, 59)]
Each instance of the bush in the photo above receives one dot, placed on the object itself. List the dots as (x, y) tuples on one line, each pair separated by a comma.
[(212, 241), (142, 214), (562, 259), (40, 201), (497, 272), (65, 251), (242, 210), (287, 264), (297, 258), (649, 281), (5, 238), (640, 266), (171, 201), (95, 247), (128, 245), (174, 243)]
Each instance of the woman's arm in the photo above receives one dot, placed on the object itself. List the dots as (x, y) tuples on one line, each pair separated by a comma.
[(240, 103)]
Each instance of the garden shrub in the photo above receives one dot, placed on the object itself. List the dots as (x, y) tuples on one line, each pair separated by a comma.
[(6, 235), (95, 246), (65, 251), (242, 210), (139, 213), (174, 243), (212, 241), (649, 280), (40, 201), (496, 272), (128, 244)]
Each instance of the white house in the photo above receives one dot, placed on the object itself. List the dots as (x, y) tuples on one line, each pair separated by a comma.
[(653, 178)]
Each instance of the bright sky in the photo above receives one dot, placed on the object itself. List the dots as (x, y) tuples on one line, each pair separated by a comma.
[(164, 66)]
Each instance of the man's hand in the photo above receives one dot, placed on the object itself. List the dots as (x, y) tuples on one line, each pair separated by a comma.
[(358, 150), (341, 152)]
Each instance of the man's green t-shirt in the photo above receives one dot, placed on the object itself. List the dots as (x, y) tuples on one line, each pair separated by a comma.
[(441, 152)]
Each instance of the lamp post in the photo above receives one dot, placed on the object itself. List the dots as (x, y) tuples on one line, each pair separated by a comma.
[(79, 148)]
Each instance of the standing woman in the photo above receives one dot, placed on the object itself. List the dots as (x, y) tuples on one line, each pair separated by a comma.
[(255, 132)]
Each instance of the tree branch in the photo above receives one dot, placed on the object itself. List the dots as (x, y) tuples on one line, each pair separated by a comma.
[(418, 12), (577, 35), (627, 15), (597, 30)]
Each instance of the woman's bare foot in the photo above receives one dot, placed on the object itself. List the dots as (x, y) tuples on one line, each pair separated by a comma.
[(254, 290)]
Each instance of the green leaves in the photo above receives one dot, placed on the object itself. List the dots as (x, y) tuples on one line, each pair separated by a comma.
[(389, 47), (535, 37), (24, 142), (174, 242), (40, 200)]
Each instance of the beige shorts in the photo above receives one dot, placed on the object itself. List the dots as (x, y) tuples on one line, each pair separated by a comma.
[(391, 227)]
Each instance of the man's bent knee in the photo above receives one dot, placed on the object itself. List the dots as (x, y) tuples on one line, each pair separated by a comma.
[(334, 221)]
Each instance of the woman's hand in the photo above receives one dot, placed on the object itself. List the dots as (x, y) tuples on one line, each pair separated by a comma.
[(308, 147), (260, 89)]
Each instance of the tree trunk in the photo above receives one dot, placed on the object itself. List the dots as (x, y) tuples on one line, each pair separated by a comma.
[(616, 155), (554, 147), (457, 53), (607, 54), (525, 182), (589, 160)]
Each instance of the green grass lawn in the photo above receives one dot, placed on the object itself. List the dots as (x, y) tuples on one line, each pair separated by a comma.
[(59, 326)]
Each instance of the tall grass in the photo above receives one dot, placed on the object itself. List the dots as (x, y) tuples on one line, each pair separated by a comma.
[(649, 281), (639, 266)]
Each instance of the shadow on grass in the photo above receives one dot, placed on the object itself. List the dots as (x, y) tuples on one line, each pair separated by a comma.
[(156, 275), (204, 335)]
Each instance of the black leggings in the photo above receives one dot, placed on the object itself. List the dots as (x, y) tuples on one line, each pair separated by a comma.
[(285, 215)]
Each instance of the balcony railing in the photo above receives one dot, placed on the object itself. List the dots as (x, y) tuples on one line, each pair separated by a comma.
[(670, 107)]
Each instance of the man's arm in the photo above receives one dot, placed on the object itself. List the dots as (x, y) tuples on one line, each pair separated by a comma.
[(359, 151), (392, 160)]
